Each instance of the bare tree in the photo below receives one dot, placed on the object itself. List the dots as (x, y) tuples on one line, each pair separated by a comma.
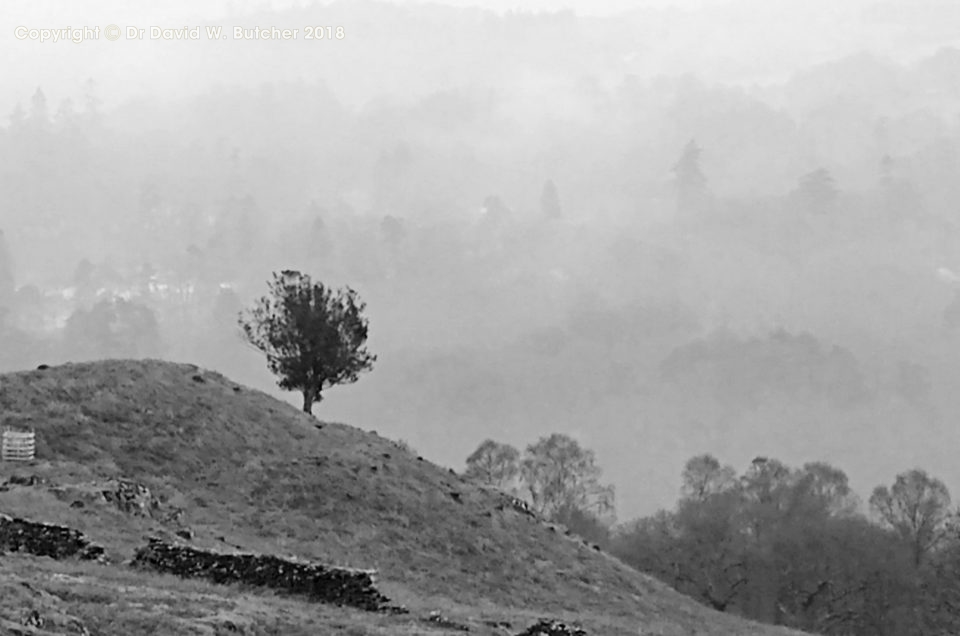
[(494, 463), (916, 507), (704, 476), (558, 473), (826, 488)]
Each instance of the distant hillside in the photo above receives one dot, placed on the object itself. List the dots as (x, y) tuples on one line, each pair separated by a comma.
[(744, 370), (241, 470)]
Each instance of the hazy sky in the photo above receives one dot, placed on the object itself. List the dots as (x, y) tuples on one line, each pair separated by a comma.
[(428, 119), (209, 9), (734, 41)]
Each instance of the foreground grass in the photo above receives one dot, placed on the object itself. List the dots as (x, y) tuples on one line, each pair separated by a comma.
[(117, 600)]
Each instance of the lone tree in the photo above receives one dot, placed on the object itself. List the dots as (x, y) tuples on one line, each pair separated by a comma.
[(312, 335)]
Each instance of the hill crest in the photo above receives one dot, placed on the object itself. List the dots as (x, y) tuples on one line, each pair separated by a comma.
[(248, 471)]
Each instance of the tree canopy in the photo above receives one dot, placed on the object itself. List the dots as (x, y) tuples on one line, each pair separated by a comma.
[(313, 336)]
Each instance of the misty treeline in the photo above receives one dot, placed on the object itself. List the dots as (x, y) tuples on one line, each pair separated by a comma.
[(676, 259), (791, 546)]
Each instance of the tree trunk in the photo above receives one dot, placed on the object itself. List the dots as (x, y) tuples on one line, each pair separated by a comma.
[(308, 400)]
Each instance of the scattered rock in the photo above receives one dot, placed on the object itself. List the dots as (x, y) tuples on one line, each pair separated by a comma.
[(436, 618), (340, 586), (517, 504), (174, 516), (186, 534), (132, 497), (224, 541), (237, 389), (43, 367), (386, 455), (456, 496), (32, 618), (545, 627), (79, 496), (41, 539), (198, 378), (498, 624)]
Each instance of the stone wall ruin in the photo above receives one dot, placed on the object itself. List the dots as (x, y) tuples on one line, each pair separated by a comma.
[(41, 539), (339, 586)]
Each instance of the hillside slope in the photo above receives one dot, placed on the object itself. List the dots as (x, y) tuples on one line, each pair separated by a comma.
[(234, 469)]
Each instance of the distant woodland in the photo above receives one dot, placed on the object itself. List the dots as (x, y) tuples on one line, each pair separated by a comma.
[(657, 266)]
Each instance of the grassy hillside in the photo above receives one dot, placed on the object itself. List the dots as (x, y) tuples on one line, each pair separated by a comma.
[(249, 472)]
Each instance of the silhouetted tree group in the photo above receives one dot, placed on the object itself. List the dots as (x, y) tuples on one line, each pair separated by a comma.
[(790, 547)]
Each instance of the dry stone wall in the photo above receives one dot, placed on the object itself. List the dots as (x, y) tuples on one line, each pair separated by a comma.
[(41, 539), (354, 588)]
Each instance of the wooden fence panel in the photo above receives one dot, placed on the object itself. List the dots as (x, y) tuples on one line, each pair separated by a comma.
[(17, 446)]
